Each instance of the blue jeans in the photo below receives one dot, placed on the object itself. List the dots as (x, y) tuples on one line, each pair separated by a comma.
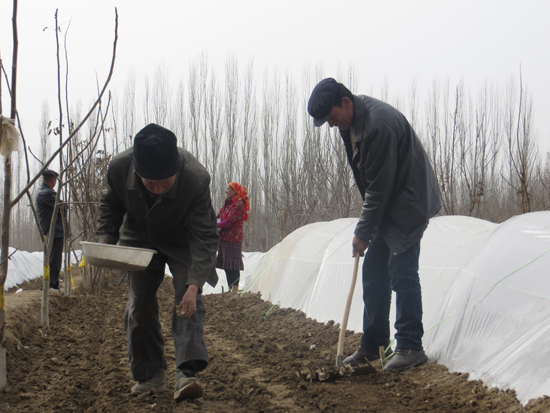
[(382, 273)]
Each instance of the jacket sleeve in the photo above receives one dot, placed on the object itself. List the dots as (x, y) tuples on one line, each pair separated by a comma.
[(111, 215), (225, 224), (379, 170), (203, 239)]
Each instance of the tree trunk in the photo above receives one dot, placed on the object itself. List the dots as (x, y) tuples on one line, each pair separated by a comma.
[(4, 264)]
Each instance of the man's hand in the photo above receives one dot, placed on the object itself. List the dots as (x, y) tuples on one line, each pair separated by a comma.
[(188, 305), (358, 246)]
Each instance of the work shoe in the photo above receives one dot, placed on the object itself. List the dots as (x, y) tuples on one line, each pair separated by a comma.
[(364, 354), (187, 387), (405, 359), (155, 384), (51, 288)]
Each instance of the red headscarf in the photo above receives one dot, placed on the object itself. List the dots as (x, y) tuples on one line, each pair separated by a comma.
[(241, 194)]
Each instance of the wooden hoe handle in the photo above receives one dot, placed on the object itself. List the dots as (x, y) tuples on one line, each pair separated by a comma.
[(343, 326)]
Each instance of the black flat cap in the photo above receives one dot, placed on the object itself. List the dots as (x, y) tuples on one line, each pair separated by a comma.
[(322, 99), (156, 153), (48, 173)]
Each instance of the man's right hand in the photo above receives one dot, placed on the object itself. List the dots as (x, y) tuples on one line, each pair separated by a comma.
[(358, 246)]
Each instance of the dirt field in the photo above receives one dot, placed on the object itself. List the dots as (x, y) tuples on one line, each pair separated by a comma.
[(81, 364)]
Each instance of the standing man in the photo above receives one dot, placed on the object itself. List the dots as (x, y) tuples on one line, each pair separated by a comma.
[(45, 202), (401, 194), (158, 197)]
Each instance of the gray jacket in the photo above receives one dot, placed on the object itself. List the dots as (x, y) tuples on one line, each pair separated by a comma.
[(180, 224), (393, 174)]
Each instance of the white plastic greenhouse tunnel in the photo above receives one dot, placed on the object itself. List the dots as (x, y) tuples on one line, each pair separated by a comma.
[(485, 291), (485, 288), (26, 266)]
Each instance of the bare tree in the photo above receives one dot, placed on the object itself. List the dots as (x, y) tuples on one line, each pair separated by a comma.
[(129, 109), (180, 116), (521, 148), (478, 170), (249, 149), (232, 118), (161, 97), (444, 128), (9, 204), (195, 107), (214, 138), (271, 121), (44, 131)]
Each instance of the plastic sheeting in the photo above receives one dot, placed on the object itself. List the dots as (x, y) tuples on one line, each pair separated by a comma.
[(485, 291), (22, 266), (25, 266), (250, 260)]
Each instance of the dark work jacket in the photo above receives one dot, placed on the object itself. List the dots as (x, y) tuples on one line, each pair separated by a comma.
[(45, 202), (393, 174), (180, 224)]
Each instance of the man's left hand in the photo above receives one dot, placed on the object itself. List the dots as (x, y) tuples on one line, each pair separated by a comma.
[(188, 305)]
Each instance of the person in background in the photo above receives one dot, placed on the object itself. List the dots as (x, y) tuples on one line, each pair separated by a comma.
[(45, 202), (400, 193), (158, 197), (233, 214)]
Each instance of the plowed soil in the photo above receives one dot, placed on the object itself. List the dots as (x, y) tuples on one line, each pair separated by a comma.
[(80, 364)]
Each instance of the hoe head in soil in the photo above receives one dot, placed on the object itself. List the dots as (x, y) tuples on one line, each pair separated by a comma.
[(334, 372)]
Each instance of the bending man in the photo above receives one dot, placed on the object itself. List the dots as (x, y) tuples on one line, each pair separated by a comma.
[(401, 194), (158, 197)]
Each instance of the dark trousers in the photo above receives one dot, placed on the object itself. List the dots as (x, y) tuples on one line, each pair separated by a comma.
[(56, 261), (382, 273), (233, 277), (142, 324)]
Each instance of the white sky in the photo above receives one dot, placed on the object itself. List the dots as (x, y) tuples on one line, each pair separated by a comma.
[(393, 41)]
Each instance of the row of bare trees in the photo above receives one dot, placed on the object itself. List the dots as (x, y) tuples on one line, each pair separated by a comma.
[(255, 130), (485, 151)]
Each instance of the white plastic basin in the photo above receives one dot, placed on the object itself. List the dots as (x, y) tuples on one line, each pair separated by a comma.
[(116, 257)]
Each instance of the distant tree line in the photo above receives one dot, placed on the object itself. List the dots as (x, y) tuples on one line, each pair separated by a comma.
[(256, 130)]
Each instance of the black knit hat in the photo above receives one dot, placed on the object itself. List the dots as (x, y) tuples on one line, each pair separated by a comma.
[(156, 153)]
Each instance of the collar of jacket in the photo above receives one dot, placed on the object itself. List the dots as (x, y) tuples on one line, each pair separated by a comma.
[(45, 187), (133, 183), (360, 115)]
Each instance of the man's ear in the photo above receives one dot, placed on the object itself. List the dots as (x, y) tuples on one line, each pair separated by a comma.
[(346, 102)]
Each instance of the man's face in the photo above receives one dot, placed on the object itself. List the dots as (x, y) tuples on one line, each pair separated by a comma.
[(50, 181), (159, 187), (341, 117)]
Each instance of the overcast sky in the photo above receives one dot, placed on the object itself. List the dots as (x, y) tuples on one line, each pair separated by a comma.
[(385, 41)]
